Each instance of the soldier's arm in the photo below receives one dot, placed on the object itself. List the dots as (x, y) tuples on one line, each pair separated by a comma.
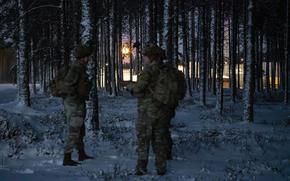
[(71, 80), (142, 84), (72, 77)]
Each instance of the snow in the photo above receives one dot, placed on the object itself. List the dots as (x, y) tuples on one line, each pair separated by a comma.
[(206, 147)]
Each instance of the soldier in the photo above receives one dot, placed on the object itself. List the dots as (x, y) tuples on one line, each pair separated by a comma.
[(76, 87), (153, 117)]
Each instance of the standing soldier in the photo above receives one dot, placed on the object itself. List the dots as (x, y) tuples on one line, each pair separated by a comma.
[(76, 87), (153, 115)]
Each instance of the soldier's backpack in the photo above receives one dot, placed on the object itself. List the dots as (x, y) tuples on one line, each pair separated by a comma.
[(170, 86), (55, 84)]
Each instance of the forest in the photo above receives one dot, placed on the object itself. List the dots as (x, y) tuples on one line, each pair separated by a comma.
[(234, 55)]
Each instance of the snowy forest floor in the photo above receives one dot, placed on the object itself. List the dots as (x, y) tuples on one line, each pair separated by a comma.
[(206, 147)]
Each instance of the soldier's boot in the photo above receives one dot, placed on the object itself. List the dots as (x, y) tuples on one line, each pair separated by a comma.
[(161, 167), (67, 161), (141, 167), (83, 156)]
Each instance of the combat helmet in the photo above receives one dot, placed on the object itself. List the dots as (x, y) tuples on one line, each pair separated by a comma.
[(153, 51)]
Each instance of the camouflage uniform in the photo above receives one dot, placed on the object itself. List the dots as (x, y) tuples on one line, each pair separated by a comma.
[(153, 121), (77, 86)]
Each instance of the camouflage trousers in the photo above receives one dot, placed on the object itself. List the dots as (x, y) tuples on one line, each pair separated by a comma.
[(75, 114), (152, 127)]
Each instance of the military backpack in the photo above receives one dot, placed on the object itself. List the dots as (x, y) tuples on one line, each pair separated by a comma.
[(55, 84), (170, 86)]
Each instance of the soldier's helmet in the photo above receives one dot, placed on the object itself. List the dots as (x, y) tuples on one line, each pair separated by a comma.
[(154, 51), (83, 51)]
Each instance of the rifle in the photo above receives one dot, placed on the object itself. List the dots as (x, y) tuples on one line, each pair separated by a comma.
[(128, 86)]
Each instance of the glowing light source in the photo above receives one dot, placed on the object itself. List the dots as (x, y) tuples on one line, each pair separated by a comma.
[(126, 49)]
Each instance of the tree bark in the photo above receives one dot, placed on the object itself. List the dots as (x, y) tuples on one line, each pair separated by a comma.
[(193, 51), (249, 89), (185, 47), (287, 56), (219, 83), (234, 50), (22, 61), (203, 63)]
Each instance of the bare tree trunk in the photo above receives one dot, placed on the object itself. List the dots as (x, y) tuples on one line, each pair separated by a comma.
[(137, 35), (193, 39), (108, 49), (234, 50), (33, 67), (245, 39), (268, 65), (185, 47), (249, 89), (215, 56), (152, 21), (89, 22), (219, 83), (169, 33), (287, 56), (203, 63), (22, 62), (130, 44), (160, 20), (120, 46), (261, 57), (176, 32), (114, 48)]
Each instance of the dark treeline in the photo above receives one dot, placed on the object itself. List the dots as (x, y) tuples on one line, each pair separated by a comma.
[(242, 44)]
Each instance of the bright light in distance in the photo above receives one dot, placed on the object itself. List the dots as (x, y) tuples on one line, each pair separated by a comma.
[(125, 50)]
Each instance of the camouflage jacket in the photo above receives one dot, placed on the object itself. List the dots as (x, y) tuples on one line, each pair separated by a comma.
[(145, 85), (76, 83)]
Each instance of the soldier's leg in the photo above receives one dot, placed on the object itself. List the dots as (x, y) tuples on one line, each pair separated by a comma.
[(80, 143), (168, 115), (144, 132), (74, 124), (81, 146), (74, 130), (160, 144), (168, 144)]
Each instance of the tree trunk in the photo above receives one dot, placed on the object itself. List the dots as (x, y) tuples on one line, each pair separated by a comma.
[(169, 33), (108, 48), (287, 56), (185, 48), (176, 32), (193, 39), (245, 39), (22, 61), (215, 55), (89, 16), (33, 66), (203, 63), (234, 50), (130, 45), (249, 89), (114, 48), (152, 21), (219, 83)]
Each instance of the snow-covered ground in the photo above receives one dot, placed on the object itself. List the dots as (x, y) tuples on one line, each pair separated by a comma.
[(206, 147)]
